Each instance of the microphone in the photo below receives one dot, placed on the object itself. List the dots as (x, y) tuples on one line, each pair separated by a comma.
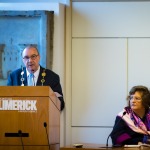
[(22, 78), (114, 128), (45, 125), (20, 135)]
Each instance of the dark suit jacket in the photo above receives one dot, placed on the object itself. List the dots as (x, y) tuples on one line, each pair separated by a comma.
[(51, 79), (124, 134)]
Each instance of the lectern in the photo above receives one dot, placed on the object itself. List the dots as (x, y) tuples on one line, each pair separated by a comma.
[(29, 118)]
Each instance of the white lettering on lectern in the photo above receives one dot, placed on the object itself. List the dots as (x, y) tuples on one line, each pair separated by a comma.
[(20, 105)]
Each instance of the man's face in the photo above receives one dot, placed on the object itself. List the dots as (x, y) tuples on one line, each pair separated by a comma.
[(31, 59)]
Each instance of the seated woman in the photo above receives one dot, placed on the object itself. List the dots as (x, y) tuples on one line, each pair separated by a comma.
[(132, 125)]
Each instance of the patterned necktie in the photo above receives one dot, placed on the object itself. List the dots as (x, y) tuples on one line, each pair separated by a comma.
[(30, 79)]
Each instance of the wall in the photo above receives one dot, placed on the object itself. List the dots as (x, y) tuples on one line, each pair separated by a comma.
[(108, 54), (34, 1)]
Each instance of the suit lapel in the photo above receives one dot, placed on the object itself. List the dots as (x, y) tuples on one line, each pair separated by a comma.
[(40, 77), (25, 77)]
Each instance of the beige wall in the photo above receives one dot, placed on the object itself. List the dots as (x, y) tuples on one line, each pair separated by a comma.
[(108, 54)]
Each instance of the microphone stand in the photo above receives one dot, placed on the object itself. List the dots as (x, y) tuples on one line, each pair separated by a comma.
[(20, 135), (45, 125), (115, 127), (108, 139)]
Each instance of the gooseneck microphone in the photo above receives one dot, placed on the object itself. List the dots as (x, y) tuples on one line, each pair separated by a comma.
[(115, 127), (45, 125), (20, 135)]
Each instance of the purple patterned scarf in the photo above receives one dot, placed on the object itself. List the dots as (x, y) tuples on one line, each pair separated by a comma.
[(135, 122)]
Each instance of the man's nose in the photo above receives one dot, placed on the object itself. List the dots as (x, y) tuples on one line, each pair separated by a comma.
[(29, 59)]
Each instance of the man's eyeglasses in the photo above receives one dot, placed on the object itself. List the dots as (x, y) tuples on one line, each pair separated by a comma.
[(33, 57), (135, 98)]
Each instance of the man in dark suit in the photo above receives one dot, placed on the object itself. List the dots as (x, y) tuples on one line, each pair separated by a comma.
[(41, 76)]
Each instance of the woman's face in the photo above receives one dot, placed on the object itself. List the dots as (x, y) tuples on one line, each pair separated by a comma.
[(136, 102)]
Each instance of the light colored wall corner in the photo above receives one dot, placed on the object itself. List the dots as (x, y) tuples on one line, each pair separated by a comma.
[(59, 59), (68, 48)]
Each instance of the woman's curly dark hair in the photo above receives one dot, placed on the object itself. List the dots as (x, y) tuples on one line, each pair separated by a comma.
[(145, 94)]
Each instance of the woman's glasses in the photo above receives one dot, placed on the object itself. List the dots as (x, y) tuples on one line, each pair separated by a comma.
[(135, 98)]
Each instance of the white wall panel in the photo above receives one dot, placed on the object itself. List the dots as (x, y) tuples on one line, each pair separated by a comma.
[(107, 19), (91, 135), (98, 80), (139, 62)]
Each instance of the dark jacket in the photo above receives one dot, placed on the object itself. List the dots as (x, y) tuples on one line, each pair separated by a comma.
[(122, 134), (51, 79)]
